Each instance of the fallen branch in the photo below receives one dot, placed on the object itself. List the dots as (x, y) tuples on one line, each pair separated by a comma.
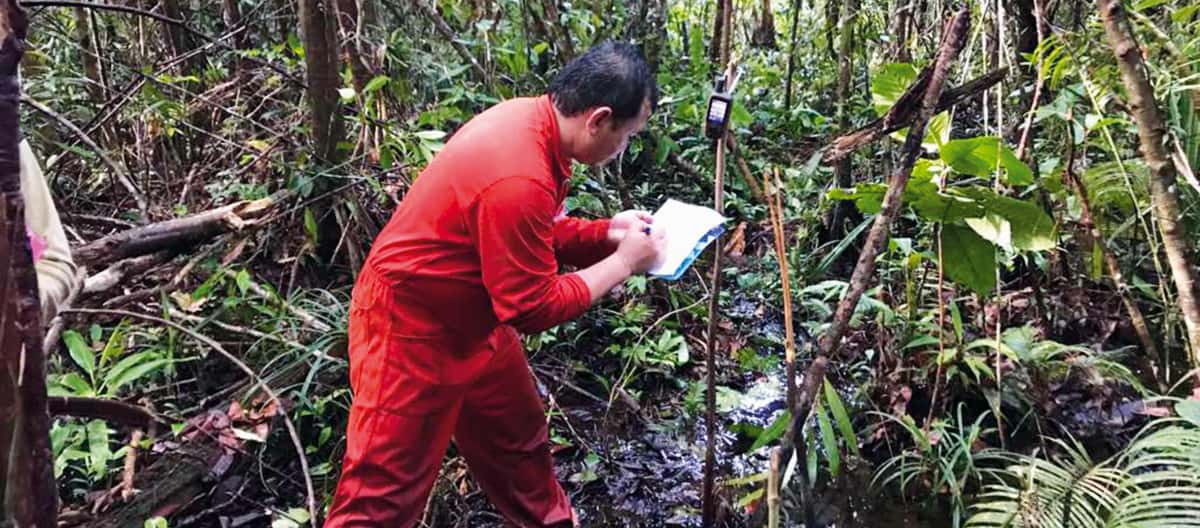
[(118, 172), (903, 113), (115, 274), (178, 234), (114, 411)]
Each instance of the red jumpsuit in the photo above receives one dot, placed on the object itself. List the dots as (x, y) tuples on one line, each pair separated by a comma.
[(469, 259)]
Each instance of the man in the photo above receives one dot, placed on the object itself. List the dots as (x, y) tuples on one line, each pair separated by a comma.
[(468, 260)]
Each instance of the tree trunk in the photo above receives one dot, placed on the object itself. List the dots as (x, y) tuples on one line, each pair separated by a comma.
[(844, 212), (714, 47), (87, 55), (791, 65), (764, 34), (28, 494), (934, 79), (321, 75), (902, 12), (351, 27), (1164, 191)]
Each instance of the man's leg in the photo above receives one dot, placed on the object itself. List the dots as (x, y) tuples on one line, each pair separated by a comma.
[(502, 433), (390, 466)]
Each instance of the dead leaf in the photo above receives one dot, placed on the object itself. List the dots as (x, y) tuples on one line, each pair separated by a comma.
[(737, 241)]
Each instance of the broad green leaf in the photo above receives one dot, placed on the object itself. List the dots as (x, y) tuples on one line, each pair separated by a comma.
[(740, 116), (1189, 410), (868, 197), (1147, 4), (98, 450), (842, 417), (968, 259), (993, 228), (1031, 228), (956, 319), (944, 207), (243, 281), (376, 83), (347, 94), (772, 432), (71, 384), (80, 352), (979, 156), (829, 441), (132, 368), (889, 83)]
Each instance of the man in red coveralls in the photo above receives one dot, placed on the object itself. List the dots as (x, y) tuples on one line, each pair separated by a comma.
[(468, 261)]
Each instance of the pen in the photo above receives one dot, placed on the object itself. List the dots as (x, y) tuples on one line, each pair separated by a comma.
[(646, 229)]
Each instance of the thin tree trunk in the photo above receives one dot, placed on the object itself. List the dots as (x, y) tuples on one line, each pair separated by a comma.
[(321, 75), (87, 55), (714, 47), (350, 24), (952, 43), (843, 211), (791, 65), (28, 494), (1149, 349), (1164, 191)]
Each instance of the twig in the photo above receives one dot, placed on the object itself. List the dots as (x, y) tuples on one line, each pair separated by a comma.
[(120, 174), (127, 474), (287, 421), (773, 501), (774, 210), (442, 27)]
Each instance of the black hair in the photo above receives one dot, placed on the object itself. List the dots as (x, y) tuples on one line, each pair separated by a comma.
[(612, 74)]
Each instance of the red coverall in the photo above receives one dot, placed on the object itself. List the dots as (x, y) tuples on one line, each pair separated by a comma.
[(469, 259)]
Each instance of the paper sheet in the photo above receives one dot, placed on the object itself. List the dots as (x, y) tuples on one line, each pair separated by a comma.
[(689, 229)]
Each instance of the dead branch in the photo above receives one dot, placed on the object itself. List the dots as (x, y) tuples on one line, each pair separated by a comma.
[(904, 112), (447, 33), (114, 411), (180, 233)]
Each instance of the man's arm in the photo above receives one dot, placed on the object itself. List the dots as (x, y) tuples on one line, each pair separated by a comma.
[(55, 268), (581, 243)]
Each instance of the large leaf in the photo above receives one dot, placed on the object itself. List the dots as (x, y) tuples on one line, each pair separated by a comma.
[(829, 441), (80, 352), (97, 435), (968, 259), (979, 156), (131, 369), (772, 432), (1030, 227)]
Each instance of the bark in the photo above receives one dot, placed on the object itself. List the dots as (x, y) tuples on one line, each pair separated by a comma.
[(901, 21), (951, 44), (903, 113), (28, 494), (114, 411), (177, 234), (1164, 190), (321, 75)]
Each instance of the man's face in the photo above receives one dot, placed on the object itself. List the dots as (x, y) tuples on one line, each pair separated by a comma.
[(607, 137)]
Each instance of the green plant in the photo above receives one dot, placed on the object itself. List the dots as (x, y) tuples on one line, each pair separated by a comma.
[(106, 370), (944, 461), (1152, 483)]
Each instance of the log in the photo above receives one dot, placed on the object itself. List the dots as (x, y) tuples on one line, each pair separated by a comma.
[(180, 233), (114, 411)]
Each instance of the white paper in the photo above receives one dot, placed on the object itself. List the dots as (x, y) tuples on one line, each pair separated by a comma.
[(689, 229)]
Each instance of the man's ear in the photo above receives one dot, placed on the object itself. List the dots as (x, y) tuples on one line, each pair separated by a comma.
[(598, 117)]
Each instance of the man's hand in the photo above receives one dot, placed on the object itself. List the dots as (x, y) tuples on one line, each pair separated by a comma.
[(624, 221), (641, 251)]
